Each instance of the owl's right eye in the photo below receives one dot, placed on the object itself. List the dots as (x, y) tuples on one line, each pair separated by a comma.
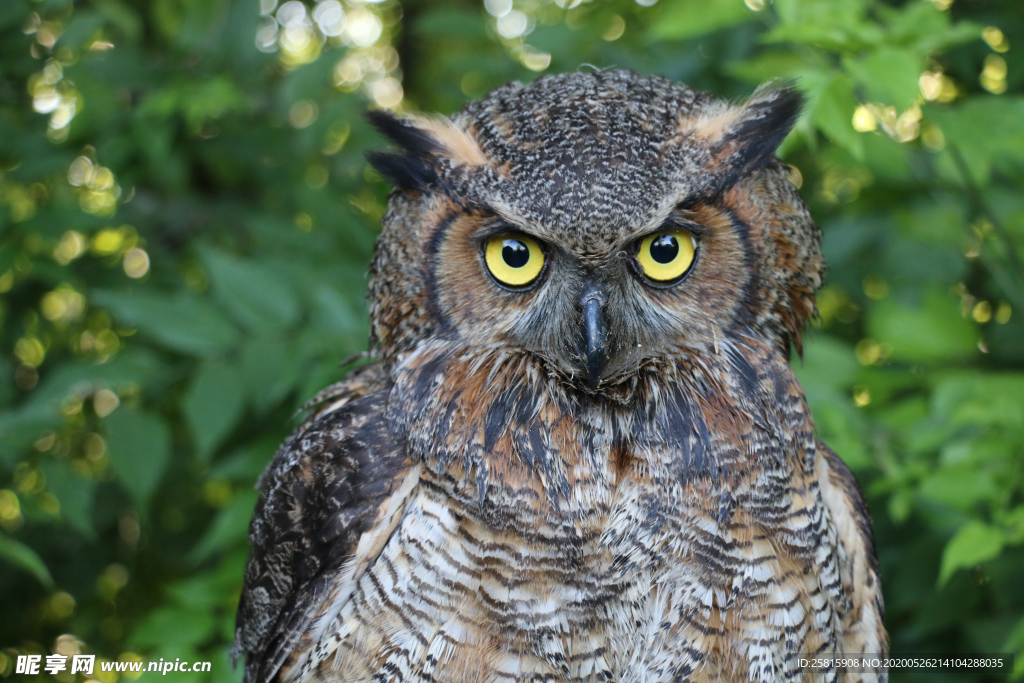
[(665, 257), (513, 260)]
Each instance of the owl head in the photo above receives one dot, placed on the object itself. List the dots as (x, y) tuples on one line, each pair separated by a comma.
[(601, 223)]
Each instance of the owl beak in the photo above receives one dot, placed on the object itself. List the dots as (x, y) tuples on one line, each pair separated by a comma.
[(595, 335)]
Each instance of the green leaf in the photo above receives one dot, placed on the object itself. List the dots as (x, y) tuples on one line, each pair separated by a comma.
[(199, 102), (181, 322), (74, 494), (130, 368), (811, 33), (838, 425), (272, 369), (174, 627), (834, 26), (12, 15), (140, 448), (906, 413), (229, 529), (990, 399), (212, 99), (931, 331), (214, 404), (901, 504), (20, 555), (255, 296), (222, 670), (925, 28), (125, 371), (449, 21), (887, 159), (832, 112), (204, 591), (847, 14), (246, 464), (974, 543), (81, 28), (985, 130), (960, 486), (689, 18), (336, 313), (889, 75), (827, 363), (939, 221), (1015, 641), (19, 428), (766, 66), (122, 16)]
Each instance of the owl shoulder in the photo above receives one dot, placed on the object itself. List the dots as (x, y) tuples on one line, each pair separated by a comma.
[(863, 629), (319, 496)]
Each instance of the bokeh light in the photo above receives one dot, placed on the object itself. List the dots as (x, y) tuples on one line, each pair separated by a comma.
[(98, 188), (136, 263), (299, 32), (53, 95), (993, 76)]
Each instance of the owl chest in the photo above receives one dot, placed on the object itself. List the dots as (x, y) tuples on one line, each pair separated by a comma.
[(627, 580), (577, 597), (452, 598)]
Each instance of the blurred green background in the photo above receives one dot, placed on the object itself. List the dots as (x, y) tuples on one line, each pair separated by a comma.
[(186, 218)]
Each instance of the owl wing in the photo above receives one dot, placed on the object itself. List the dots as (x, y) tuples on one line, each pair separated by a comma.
[(862, 627), (327, 505)]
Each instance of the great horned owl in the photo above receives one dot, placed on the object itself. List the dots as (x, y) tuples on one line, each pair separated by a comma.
[(582, 454)]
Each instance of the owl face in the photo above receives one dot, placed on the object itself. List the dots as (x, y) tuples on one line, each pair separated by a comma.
[(593, 316), (600, 222)]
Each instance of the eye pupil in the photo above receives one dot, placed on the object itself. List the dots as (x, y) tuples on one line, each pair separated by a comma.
[(665, 249), (515, 254), (665, 257), (513, 261)]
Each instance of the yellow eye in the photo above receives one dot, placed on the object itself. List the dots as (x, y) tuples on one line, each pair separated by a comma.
[(514, 260), (666, 256)]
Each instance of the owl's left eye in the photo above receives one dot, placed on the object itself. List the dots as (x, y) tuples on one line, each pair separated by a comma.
[(665, 257), (513, 260)]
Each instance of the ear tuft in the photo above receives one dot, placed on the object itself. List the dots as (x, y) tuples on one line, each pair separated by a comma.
[(407, 171), (412, 169), (402, 132), (458, 145), (425, 140), (744, 138), (764, 123)]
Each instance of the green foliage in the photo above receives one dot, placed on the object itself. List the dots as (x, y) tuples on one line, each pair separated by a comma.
[(975, 542), (20, 555), (689, 19), (186, 218)]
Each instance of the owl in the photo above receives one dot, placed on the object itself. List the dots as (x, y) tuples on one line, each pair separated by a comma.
[(580, 453)]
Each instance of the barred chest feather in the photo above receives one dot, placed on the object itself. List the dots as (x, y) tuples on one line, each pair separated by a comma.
[(693, 544)]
